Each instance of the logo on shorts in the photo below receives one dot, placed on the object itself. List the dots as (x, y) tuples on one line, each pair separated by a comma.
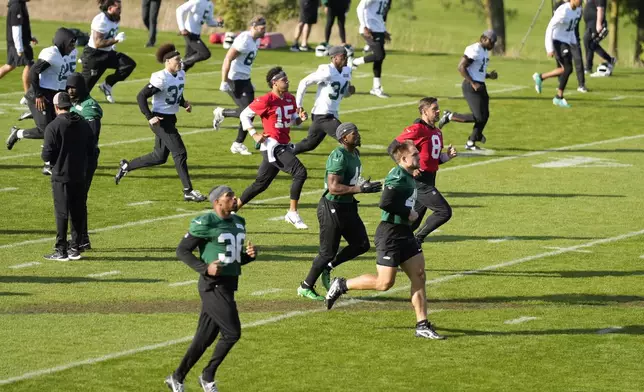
[(333, 210), (386, 257), (93, 72)]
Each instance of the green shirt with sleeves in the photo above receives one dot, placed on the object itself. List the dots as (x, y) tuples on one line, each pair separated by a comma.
[(404, 184), (347, 165), (89, 109)]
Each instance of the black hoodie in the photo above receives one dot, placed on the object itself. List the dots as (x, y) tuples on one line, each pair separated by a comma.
[(77, 81), (69, 145)]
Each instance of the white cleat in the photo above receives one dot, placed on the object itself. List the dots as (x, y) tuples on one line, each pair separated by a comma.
[(239, 148), (378, 92), (582, 89), (23, 101), (218, 118), (107, 90), (293, 218)]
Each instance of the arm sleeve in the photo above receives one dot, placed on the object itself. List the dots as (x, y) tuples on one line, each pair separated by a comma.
[(16, 32), (210, 18), (50, 147), (362, 13), (314, 78), (392, 203), (34, 75), (142, 99), (181, 11), (184, 252), (246, 118), (557, 18), (245, 258)]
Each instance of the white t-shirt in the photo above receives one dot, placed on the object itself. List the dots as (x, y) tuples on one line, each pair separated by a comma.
[(332, 87), (562, 26), (194, 13), (55, 77), (102, 24), (481, 58), (247, 47), (371, 15), (167, 100)]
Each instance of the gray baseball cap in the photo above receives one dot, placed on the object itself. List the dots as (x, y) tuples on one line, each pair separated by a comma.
[(490, 34), (336, 50)]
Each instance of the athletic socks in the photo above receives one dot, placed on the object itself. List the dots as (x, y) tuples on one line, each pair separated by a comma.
[(376, 83)]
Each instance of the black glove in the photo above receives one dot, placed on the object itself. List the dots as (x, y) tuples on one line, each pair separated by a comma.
[(370, 187), (598, 36)]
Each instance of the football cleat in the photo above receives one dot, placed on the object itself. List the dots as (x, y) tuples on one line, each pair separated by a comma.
[(582, 89), (309, 293), (85, 245), (173, 384), (537, 82), (74, 254), (445, 118), (306, 48), (295, 48), (471, 146), (25, 116), (207, 386), (427, 331), (239, 148), (123, 166), (293, 218), (378, 92), (46, 169), (218, 118), (13, 137), (326, 278), (23, 101), (58, 255), (194, 195), (483, 139), (561, 102), (107, 90), (321, 50), (338, 287)]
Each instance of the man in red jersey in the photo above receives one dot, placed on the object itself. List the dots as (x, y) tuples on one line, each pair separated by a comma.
[(429, 141), (277, 109)]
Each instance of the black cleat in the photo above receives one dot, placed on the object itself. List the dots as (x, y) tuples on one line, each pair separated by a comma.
[(46, 169), (427, 331), (445, 118), (74, 254), (58, 255), (13, 137), (194, 195), (123, 165), (338, 287), (471, 146), (25, 116), (84, 245)]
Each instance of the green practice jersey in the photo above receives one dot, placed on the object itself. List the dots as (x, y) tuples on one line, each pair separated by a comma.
[(225, 240), (347, 165), (89, 109), (404, 184)]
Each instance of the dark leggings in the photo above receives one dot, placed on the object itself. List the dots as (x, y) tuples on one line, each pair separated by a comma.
[(335, 11)]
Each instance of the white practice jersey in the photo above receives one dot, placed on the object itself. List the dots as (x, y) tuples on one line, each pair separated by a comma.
[(193, 14), (332, 87), (481, 59), (247, 48), (167, 100), (562, 26), (60, 67), (102, 24), (371, 14)]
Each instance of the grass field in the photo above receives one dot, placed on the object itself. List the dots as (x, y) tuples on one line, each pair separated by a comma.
[(536, 280)]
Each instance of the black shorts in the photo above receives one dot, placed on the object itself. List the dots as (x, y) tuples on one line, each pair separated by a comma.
[(14, 60), (395, 244), (309, 11), (563, 52)]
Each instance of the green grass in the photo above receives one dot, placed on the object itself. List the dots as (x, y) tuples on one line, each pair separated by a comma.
[(53, 314)]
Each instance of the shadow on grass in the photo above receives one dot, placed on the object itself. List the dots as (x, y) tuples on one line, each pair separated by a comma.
[(171, 258), (460, 238), (564, 298), (550, 274), (70, 279), (548, 195), (27, 231), (8, 294), (627, 330), (194, 176)]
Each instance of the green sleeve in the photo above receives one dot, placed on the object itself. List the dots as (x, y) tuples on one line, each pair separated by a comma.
[(200, 227), (394, 178), (325, 3), (91, 110), (335, 163)]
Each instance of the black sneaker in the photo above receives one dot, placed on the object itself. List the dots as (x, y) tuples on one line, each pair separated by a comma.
[(295, 47), (58, 255), (305, 48), (25, 116), (194, 195), (123, 165), (74, 254), (13, 137), (444, 119), (46, 169), (427, 331), (338, 287), (84, 245)]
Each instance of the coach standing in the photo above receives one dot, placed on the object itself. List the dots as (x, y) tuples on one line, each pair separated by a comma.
[(150, 14), (308, 17), (69, 145)]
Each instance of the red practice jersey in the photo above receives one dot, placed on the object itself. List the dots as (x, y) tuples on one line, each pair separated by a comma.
[(276, 114), (429, 142)]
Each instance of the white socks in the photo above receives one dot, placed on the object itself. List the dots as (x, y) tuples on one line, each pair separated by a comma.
[(376, 83), (20, 134)]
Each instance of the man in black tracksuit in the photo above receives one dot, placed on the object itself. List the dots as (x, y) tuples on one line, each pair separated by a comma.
[(69, 145)]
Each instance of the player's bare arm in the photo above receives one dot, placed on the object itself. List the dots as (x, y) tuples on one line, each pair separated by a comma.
[(231, 55), (462, 68), (101, 42), (334, 183)]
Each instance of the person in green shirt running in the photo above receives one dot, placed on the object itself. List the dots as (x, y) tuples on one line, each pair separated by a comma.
[(395, 242), (90, 110), (219, 235), (338, 211)]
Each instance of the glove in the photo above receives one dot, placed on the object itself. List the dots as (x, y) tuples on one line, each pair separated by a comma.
[(598, 36), (224, 87), (370, 187), (120, 37)]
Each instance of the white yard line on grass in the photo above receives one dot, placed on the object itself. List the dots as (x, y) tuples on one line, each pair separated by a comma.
[(8, 189), (520, 320), (140, 203), (25, 265), (558, 247), (99, 275), (499, 240), (288, 315), (186, 283), (267, 291)]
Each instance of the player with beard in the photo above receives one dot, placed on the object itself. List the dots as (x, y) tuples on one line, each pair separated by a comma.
[(235, 78), (277, 111), (166, 89), (100, 53), (191, 15), (395, 242), (47, 77)]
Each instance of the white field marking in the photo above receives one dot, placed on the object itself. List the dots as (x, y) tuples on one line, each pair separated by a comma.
[(520, 320), (476, 153), (499, 240), (558, 248), (411, 80), (276, 218), (373, 147), (186, 283), (617, 98), (289, 315), (140, 203), (267, 291), (109, 273), (395, 105), (8, 189), (319, 192), (579, 161), (25, 265), (642, 257), (609, 330)]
